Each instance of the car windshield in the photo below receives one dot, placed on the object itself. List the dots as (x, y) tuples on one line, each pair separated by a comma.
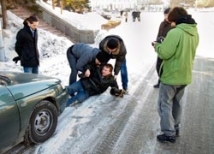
[(4, 80)]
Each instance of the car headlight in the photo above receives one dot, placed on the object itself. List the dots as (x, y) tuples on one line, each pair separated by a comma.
[(60, 89)]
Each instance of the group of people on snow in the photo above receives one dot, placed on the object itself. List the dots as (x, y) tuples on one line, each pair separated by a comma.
[(135, 16), (96, 74), (94, 70), (175, 46)]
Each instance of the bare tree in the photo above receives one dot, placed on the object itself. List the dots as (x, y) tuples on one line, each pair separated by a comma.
[(61, 6), (4, 15), (182, 2)]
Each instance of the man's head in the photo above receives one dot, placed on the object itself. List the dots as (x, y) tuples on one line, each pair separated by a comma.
[(101, 58), (175, 14), (112, 46), (32, 22), (107, 70), (166, 13)]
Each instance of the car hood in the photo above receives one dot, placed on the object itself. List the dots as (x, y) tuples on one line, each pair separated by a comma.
[(24, 84)]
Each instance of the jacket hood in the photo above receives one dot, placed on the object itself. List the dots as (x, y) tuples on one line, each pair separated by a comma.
[(185, 19), (187, 24), (188, 28)]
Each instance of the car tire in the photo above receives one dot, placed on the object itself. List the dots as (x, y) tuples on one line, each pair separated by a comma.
[(43, 122)]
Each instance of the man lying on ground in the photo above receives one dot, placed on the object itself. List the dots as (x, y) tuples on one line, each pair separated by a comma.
[(93, 83)]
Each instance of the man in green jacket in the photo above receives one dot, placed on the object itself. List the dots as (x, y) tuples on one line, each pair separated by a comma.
[(178, 52)]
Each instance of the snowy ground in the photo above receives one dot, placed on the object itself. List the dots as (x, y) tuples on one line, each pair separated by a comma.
[(83, 129)]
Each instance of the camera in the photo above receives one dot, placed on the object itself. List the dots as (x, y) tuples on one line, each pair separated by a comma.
[(159, 40)]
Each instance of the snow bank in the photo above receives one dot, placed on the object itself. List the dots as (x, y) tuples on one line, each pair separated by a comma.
[(87, 21)]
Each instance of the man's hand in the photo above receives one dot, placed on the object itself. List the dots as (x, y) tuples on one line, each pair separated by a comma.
[(16, 59), (121, 93), (117, 92), (153, 43), (80, 74), (115, 77), (87, 73)]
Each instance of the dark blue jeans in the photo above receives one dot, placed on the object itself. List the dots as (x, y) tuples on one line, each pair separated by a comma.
[(124, 75), (80, 94), (34, 70), (72, 60)]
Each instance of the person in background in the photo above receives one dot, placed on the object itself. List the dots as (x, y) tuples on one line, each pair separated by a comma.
[(164, 27), (99, 80), (126, 16), (26, 45), (114, 48), (178, 52), (79, 55)]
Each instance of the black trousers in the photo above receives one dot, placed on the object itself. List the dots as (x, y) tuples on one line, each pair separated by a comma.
[(158, 65)]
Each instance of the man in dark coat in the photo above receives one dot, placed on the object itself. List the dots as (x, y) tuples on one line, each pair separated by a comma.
[(114, 48), (26, 45), (164, 27), (99, 80), (79, 55)]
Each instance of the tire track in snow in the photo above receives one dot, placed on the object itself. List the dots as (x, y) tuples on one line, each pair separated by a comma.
[(139, 136), (114, 131), (122, 133)]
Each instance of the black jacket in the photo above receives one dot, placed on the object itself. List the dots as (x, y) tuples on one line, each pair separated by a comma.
[(120, 56), (162, 32), (164, 28), (26, 47), (96, 84)]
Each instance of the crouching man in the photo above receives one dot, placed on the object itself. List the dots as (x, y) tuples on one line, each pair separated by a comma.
[(95, 80)]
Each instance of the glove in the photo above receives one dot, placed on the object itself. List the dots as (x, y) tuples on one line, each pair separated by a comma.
[(121, 93), (117, 92), (16, 59)]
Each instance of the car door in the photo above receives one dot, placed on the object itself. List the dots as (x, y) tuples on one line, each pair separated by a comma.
[(9, 118)]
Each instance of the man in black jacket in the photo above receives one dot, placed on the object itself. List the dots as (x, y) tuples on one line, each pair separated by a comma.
[(98, 82), (81, 54), (114, 48), (26, 45), (164, 27)]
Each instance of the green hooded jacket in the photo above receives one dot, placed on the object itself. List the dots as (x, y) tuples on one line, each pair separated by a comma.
[(178, 52)]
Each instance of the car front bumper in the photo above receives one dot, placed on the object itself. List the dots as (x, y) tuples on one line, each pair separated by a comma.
[(62, 99)]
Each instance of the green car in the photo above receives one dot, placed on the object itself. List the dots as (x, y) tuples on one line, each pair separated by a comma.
[(29, 108)]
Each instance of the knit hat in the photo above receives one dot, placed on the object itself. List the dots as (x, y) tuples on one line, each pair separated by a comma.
[(102, 57), (166, 11), (112, 43)]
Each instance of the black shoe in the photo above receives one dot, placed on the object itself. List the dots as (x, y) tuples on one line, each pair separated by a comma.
[(177, 133), (156, 86), (163, 138)]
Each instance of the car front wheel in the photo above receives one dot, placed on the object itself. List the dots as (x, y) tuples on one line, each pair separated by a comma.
[(43, 122)]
